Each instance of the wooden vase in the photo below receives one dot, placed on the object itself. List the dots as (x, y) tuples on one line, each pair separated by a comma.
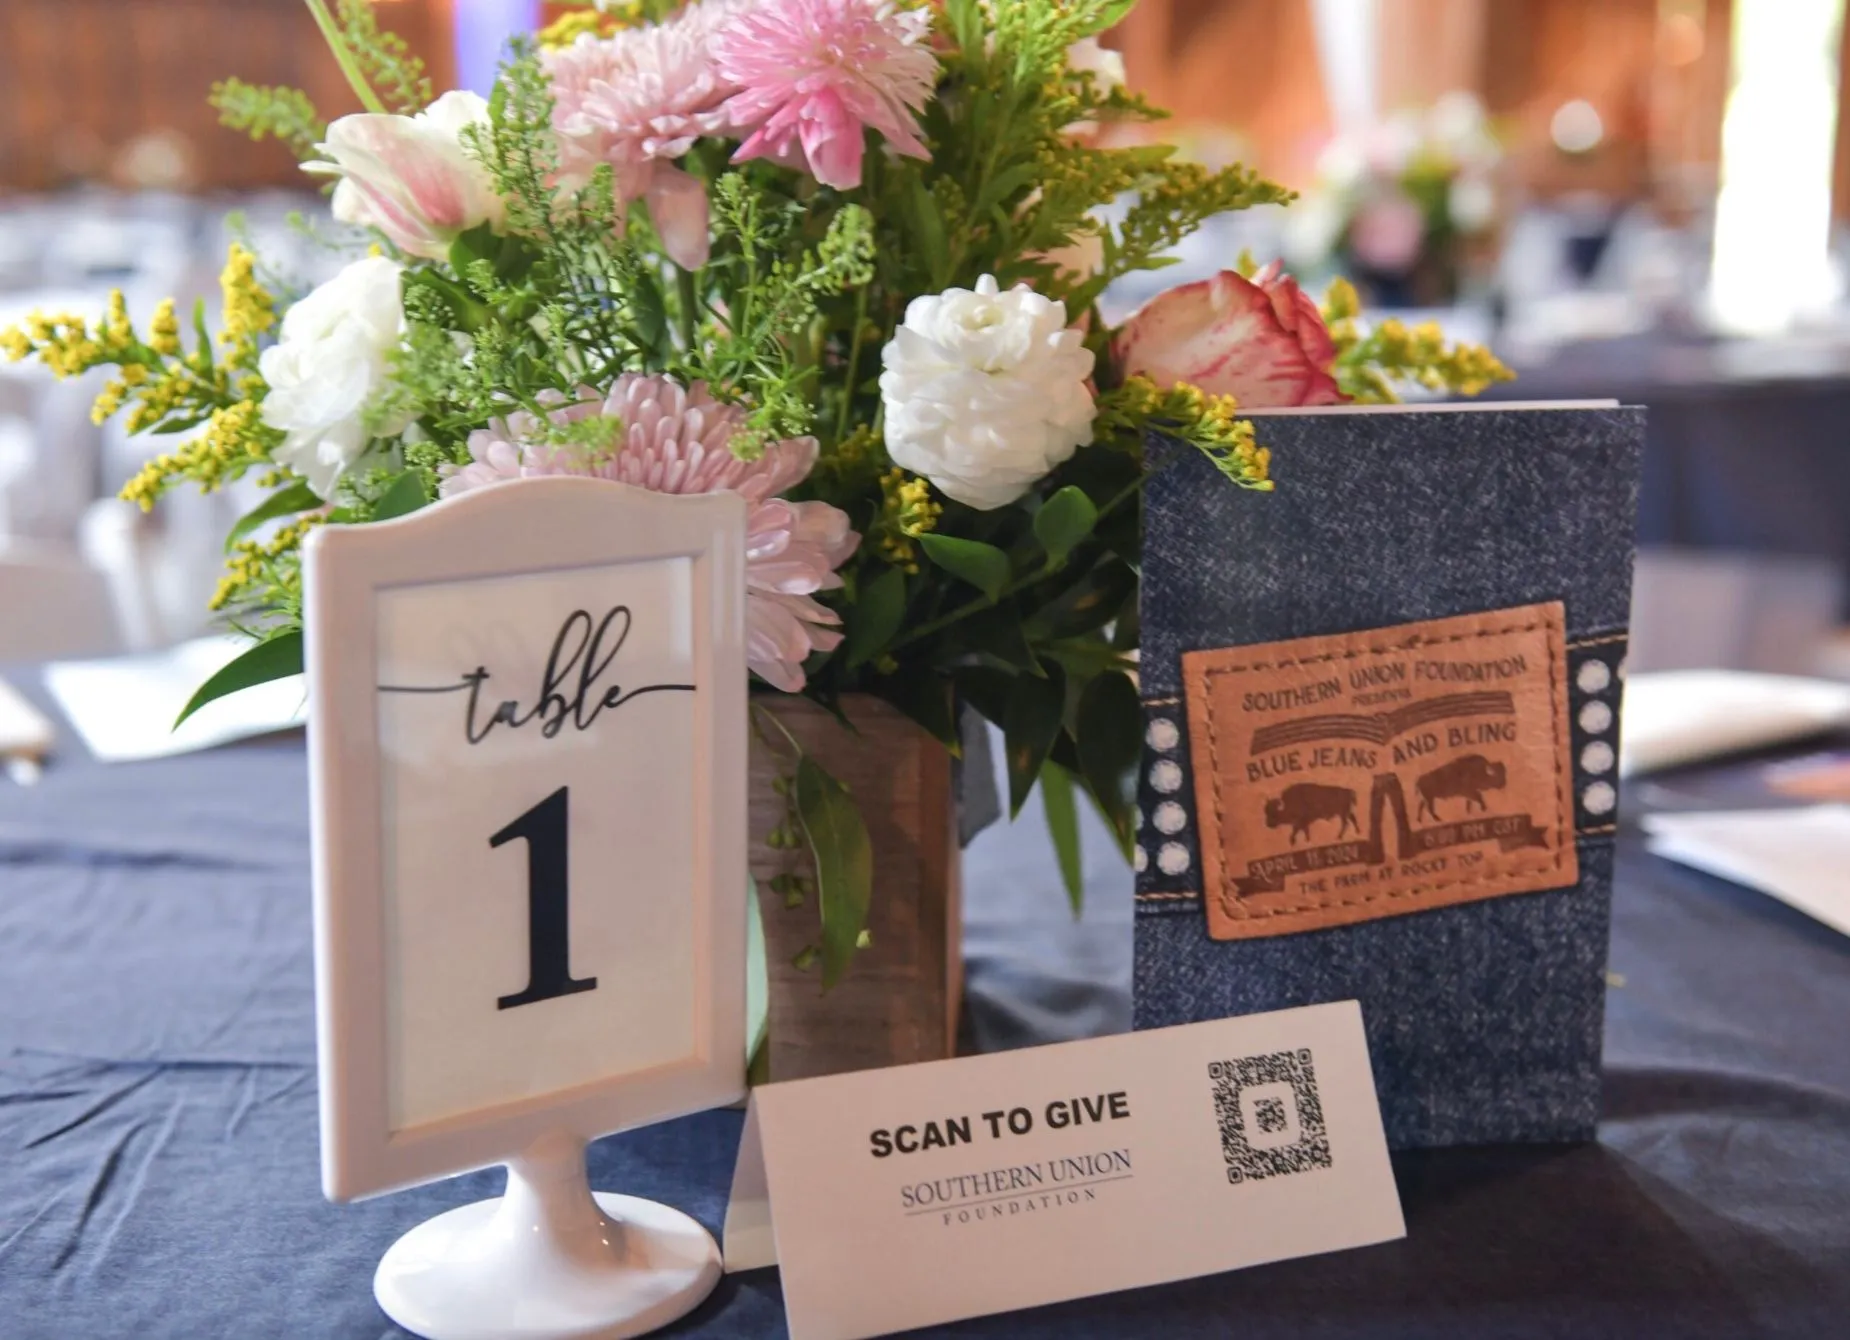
[(898, 1001)]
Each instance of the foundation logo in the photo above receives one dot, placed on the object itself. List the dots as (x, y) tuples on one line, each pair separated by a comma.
[(1363, 775)]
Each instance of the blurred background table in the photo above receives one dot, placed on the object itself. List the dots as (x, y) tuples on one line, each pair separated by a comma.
[(159, 1174), (1745, 445)]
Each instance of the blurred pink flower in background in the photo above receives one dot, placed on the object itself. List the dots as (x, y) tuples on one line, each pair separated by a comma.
[(668, 439), (812, 74), (1261, 340), (638, 100), (409, 176), (1387, 231)]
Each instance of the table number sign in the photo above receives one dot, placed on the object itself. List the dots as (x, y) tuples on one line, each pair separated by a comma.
[(527, 736), (922, 1194)]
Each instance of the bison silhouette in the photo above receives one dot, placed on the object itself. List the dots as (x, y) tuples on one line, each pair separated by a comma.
[(1304, 803), (1466, 778)]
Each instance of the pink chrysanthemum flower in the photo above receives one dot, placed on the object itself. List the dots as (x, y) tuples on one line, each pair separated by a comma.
[(657, 436), (812, 74), (638, 100)]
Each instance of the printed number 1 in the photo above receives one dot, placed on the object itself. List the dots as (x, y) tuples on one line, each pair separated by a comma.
[(549, 944)]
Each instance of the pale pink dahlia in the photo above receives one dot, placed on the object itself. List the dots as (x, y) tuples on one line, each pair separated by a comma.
[(812, 74), (670, 440), (638, 100)]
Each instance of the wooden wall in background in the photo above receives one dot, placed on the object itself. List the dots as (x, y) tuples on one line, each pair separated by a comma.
[(1249, 66), (80, 80), (1656, 70)]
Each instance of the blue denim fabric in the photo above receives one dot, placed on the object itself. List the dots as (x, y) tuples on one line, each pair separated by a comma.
[(1484, 1020)]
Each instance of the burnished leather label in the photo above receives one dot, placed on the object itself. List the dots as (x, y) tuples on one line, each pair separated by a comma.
[(1361, 775)]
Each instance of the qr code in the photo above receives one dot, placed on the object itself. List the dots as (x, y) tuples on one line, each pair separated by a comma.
[(1271, 1120)]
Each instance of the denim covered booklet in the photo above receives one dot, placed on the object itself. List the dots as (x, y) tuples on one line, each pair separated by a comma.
[(1381, 711)]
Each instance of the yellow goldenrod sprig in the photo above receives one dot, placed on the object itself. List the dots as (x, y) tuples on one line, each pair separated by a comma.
[(165, 388), (1369, 362), (249, 309), (253, 568), (1210, 423), (906, 512), (234, 439), (598, 22)]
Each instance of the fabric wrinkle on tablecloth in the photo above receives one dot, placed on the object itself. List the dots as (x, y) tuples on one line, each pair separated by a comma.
[(159, 1162)]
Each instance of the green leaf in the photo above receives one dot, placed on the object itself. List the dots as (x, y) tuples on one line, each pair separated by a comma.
[(402, 496), (167, 427), (1063, 827), (987, 689), (277, 658), (1109, 15), (924, 695), (997, 636), (478, 244), (1029, 728), (649, 307), (201, 334), (1127, 632), (1005, 183), (982, 565), (297, 497), (875, 616), (1110, 740), (1063, 521), (757, 991), (844, 860), (928, 226), (1088, 605)]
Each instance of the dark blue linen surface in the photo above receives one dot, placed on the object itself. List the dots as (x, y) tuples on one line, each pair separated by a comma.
[(158, 1157)]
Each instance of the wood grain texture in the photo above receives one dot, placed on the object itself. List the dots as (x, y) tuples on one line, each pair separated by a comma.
[(80, 80), (899, 1000)]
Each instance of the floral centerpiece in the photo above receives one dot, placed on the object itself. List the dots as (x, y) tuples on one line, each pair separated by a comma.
[(839, 256), (1405, 207)]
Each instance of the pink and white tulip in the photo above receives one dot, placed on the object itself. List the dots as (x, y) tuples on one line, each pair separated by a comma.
[(1261, 340), (410, 176)]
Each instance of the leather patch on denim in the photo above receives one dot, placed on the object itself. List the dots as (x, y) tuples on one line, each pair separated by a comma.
[(1361, 775)]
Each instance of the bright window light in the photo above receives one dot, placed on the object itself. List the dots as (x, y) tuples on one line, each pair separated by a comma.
[(1773, 219)]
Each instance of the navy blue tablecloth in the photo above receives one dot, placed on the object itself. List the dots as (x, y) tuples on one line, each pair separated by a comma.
[(1744, 441), (158, 1158)]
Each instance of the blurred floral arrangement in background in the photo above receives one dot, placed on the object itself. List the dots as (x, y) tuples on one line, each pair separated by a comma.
[(1404, 207), (840, 256)]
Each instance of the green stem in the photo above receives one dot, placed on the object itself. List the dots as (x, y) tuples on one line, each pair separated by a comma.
[(1026, 580), (854, 363), (760, 715), (343, 56), (689, 296)]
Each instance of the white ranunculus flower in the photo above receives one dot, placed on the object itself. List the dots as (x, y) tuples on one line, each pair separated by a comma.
[(327, 369), (985, 392)]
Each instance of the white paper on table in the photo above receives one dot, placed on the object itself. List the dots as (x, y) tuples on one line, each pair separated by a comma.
[(921, 1194), (124, 706), (1684, 716), (23, 728), (1799, 856)]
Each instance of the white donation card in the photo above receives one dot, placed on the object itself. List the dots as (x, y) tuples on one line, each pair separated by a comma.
[(927, 1193)]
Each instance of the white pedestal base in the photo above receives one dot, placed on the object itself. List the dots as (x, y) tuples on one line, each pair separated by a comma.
[(548, 1261)]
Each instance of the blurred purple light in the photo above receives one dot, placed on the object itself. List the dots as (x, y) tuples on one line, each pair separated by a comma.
[(482, 30)]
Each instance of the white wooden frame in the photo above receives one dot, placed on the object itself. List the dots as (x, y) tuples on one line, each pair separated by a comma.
[(531, 526)]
